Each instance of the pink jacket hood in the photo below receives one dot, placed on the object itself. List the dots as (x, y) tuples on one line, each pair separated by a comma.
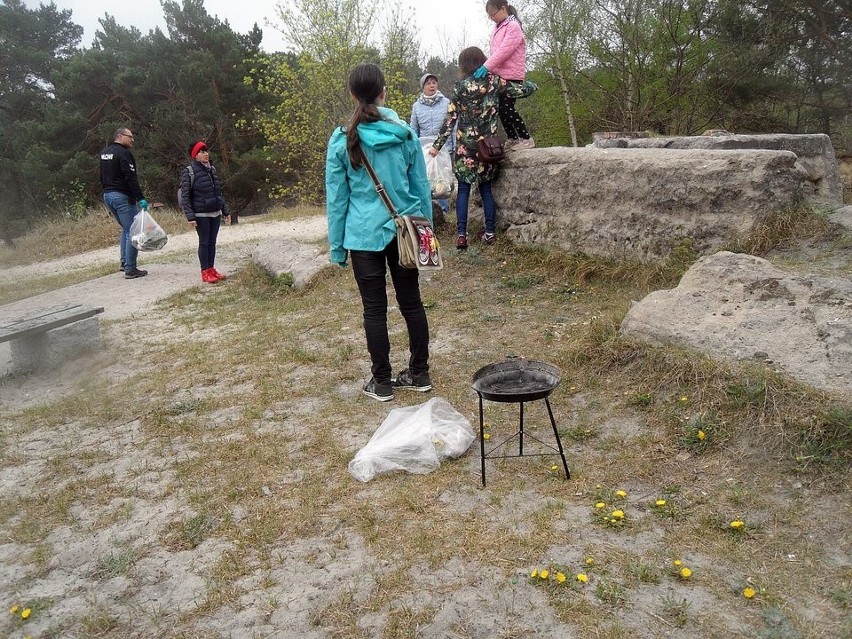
[(508, 49)]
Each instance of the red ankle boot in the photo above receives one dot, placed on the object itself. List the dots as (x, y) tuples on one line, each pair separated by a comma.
[(208, 276), (219, 276)]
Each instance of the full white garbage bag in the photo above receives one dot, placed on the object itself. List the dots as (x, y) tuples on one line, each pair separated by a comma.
[(415, 439)]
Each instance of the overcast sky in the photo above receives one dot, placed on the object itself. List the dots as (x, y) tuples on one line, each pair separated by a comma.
[(460, 23)]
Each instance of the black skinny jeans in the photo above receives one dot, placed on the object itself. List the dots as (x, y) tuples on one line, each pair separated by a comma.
[(207, 229), (369, 268)]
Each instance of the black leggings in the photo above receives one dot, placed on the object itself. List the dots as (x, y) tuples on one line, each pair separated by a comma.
[(207, 229), (369, 268), (511, 120)]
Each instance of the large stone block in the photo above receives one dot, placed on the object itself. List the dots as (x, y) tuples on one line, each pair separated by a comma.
[(51, 348), (742, 307), (641, 203), (282, 255), (814, 156)]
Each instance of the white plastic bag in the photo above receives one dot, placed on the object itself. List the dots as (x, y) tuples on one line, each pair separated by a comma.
[(146, 234), (439, 170), (415, 439)]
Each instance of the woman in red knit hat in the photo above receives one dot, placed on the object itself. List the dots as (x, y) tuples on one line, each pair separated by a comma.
[(203, 203)]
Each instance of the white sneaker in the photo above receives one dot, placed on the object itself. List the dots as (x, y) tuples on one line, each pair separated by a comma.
[(524, 144)]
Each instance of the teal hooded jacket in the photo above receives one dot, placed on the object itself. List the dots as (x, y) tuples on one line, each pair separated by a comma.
[(357, 218)]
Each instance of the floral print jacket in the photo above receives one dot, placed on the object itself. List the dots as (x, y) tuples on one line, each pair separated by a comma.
[(473, 107)]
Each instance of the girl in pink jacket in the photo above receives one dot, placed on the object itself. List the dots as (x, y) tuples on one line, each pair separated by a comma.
[(508, 60)]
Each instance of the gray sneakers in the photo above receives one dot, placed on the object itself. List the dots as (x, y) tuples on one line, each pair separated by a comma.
[(379, 391), (529, 143), (408, 381)]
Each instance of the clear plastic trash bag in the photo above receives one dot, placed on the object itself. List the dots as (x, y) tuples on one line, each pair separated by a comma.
[(439, 170), (146, 234), (415, 439)]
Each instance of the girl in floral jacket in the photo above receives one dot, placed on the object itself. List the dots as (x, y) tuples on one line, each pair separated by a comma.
[(473, 111)]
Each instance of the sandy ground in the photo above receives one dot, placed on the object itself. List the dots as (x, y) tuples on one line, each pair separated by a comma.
[(170, 270)]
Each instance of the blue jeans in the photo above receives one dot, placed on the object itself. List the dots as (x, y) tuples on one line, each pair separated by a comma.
[(123, 211), (207, 229), (444, 203), (487, 204), (369, 268)]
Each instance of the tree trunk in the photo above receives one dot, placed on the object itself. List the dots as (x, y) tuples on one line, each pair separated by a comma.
[(566, 98)]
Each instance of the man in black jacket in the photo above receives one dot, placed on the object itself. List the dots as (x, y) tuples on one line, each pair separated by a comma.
[(122, 195)]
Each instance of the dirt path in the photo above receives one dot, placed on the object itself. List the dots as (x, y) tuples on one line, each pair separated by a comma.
[(171, 270)]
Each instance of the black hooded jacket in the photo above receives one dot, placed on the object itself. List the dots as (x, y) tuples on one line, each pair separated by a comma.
[(118, 171)]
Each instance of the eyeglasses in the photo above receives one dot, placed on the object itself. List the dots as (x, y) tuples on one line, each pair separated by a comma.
[(491, 14), (128, 135)]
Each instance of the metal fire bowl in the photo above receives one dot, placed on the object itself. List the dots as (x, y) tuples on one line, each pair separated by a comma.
[(516, 380)]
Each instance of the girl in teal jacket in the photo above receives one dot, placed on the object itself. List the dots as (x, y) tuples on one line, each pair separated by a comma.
[(359, 223)]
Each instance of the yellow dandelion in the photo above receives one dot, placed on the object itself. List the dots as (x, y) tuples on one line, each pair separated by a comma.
[(600, 505), (620, 494), (534, 573), (749, 592), (684, 398), (25, 613), (618, 514), (737, 524), (583, 578), (677, 562), (685, 572), (701, 435), (660, 502), (14, 610), (544, 574), (560, 577), (486, 436), (554, 467), (590, 561)]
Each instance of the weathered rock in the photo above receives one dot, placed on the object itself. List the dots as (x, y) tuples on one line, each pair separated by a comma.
[(742, 307), (814, 156), (282, 255), (641, 204)]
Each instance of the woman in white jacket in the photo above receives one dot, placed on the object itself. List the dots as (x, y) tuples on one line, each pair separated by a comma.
[(427, 116)]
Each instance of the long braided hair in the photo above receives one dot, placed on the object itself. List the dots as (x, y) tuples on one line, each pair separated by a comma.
[(366, 83)]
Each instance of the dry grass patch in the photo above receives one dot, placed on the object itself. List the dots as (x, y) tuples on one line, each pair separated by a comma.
[(247, 403)]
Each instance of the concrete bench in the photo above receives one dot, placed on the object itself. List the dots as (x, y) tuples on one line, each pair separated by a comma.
[(46, 337)]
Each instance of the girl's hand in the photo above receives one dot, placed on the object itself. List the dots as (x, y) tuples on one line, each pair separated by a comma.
[(227, 218), (433, 151), (193, 223)]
